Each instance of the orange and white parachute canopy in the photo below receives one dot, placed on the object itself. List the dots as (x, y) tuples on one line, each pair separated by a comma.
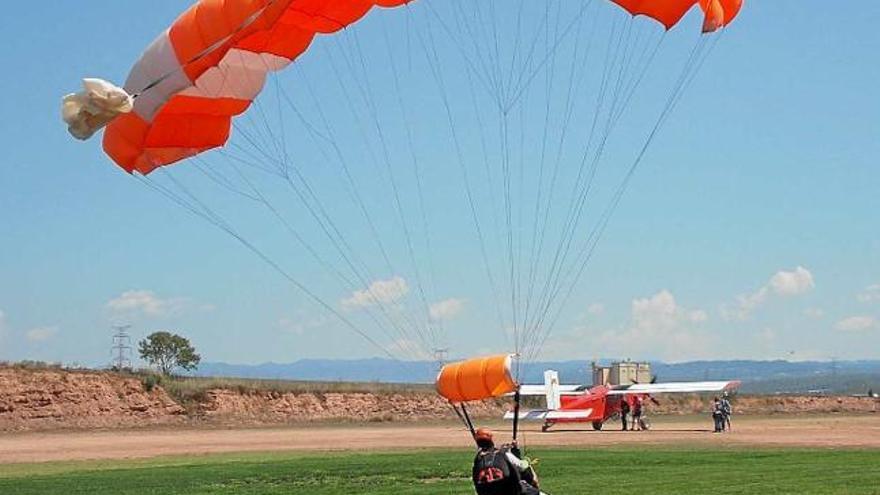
[(212, 62), (477, 379), (209, 66)]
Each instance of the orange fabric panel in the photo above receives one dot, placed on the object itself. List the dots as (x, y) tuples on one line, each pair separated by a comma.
[(476, 379), (195, 105), (323, 16), (719, 13), (283, 40), (731, 10), (124, 140), (188, 131), (666, 12)]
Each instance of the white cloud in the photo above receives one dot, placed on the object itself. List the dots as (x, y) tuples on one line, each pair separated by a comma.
[(300, 325), (856, 324), (814, 313), (793, 283), (659, 327), (379, 292), (870, 294), (446, 310), (596, 309), (782, 284), (144, 302), (41, 334)]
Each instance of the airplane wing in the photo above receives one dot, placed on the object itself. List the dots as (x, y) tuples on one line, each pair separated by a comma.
[(673, 388), (541, 390), (545, 414)]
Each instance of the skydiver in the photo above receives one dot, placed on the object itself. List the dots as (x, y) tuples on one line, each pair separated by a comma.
[(624, 411), (500, 471)]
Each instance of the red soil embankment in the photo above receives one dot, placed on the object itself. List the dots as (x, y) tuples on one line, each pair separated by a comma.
[(47, 399), (51, 399)]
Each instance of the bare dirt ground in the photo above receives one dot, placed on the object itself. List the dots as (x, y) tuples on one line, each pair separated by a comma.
[(860, 431)]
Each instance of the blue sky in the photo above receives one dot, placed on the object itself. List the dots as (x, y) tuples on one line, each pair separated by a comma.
[(750, 230)]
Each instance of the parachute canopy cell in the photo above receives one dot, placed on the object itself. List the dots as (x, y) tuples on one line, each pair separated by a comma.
[(209, 66), (719, 13), (476, 379)]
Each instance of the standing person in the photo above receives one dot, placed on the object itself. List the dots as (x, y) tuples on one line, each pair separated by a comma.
[(717, 415), (637, 413), (726, 412), (624, 411), (498, 471)]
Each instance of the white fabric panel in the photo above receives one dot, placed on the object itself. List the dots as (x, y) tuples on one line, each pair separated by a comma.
[(543, 415), (93, 108), (532, 390), (158, 62), (682, 387), (240, 75)]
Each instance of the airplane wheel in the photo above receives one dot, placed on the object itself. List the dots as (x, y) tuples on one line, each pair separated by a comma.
[(545, 427), (597, 425)]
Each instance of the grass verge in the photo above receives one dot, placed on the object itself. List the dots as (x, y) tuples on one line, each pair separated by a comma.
[(607, 471)]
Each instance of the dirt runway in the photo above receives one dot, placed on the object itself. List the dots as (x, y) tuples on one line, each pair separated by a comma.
[(806, 431)]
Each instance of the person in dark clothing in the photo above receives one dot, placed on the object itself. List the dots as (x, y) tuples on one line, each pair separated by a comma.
[(624, 411), (637, 413), (726, 412), (718, 415), (500, 471)]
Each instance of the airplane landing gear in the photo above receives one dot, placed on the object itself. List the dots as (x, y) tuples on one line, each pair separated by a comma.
[(597, 425), (546, 426)]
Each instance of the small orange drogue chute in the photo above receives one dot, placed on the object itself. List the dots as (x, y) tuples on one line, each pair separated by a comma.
[(476, 379), (719, 13)]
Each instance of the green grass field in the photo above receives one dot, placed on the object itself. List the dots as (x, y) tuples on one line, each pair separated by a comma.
[(606, 471)]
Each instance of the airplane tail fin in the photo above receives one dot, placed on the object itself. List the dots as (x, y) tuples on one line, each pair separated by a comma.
[(551, 386)]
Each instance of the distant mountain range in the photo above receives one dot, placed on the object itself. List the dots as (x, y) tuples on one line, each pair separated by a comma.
[(757, 376)]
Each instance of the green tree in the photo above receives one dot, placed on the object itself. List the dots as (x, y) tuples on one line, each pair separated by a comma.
[(168, 351)]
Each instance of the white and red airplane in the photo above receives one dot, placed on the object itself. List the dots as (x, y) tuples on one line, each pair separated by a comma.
[(599, 403)]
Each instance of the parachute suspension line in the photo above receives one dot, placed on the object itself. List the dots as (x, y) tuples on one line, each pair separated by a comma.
[(348, 283), (691, 68), (434, 64), (465, 418), (426, 231), (523, 85), (493, 209), (214, 219), (608, 68), (320, 215), (215, 177), (357, 199), (549, 84), (429, 335), (578, 207), (366, 92), (622, 95), (575, 81)]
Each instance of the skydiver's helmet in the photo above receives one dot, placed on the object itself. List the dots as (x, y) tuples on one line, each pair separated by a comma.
[(484, 438)]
